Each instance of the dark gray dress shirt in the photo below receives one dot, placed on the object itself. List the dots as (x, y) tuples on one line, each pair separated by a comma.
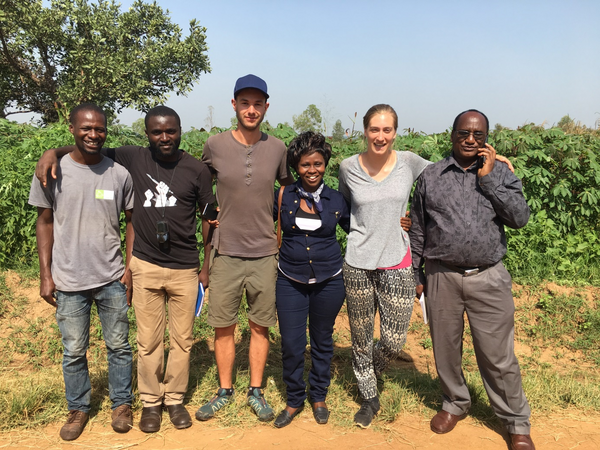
[(459, 219)]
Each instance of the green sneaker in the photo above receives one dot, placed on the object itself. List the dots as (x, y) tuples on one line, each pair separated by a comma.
[(208, 411), (257, 401)]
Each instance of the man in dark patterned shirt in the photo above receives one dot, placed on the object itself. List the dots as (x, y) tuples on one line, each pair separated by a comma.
[(459, 209)]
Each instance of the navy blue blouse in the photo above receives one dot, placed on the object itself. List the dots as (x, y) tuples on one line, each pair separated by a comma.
[(302, 250)]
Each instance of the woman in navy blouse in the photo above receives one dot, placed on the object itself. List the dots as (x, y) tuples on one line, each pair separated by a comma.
[(309, 282)]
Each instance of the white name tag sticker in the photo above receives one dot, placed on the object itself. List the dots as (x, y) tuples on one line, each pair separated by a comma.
[(102, 194)]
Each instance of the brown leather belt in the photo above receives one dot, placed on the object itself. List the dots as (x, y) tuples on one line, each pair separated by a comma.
[(466, 271)]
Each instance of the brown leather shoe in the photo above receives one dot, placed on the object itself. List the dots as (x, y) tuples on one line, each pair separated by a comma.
[(74, 426), (122, 419), (151, 418), (521, 442), (180, 417), (444, 422)]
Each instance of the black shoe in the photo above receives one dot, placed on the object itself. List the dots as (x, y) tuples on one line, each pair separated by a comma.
[(367, 411), (321, 414), (285, 418), (180, 417), (151, 418)]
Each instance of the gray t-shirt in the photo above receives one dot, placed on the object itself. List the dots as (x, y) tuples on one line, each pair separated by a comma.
[(245, 187), (86, 202), (376, 239)]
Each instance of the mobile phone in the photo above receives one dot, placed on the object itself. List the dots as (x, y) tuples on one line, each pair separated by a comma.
[(162, 231), (481, 159), (209, 212)]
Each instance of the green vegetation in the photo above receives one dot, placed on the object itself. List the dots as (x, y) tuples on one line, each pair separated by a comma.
[(337, 133), (309, 120), (560, 173), (58, 56), (557, 330)]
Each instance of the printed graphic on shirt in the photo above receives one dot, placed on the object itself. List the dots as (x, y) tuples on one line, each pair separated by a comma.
[(103, 194), (163, 196)]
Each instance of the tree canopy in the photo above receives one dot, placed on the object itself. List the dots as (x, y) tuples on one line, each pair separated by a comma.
[(309, 120), (53, 58), (337, 134)]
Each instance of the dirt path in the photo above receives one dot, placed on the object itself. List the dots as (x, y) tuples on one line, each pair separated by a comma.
[(561, 431), (409, 432)]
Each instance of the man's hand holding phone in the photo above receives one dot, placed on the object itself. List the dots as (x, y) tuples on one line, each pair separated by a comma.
[(487, 158)]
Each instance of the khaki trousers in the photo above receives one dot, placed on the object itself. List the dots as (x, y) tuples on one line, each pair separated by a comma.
[(153, 288)]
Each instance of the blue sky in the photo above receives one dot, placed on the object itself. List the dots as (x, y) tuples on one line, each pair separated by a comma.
[(517, 61)]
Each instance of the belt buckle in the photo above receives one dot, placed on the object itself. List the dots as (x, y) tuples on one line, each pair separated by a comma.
[(470, 272)]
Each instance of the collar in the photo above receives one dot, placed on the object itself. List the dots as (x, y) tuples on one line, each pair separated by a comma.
[(449, 163), (326, 189)]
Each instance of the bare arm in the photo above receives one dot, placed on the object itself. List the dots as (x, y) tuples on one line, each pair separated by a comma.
[(129, 236), (44, 230), (405, 222), (49, 162), (207, 231)]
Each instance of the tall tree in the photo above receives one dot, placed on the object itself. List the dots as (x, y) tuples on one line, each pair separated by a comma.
[(139, 126), (53, 58), (337, 134), (309, 120)]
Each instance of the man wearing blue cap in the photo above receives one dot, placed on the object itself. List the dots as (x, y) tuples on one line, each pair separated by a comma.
[(245, 162)]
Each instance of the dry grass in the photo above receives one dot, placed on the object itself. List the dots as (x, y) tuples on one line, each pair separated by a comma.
[(32, 395)]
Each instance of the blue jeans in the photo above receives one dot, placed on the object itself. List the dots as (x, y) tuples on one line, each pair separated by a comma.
[(73, 317), (320, 303)]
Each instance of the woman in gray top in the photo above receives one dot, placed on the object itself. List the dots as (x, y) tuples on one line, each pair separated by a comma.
[(377, 269)]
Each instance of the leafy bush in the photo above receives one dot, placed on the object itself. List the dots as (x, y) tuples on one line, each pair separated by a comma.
[(21, 146), (560, 173)]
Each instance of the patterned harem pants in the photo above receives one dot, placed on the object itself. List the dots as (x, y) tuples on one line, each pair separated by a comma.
[(392, 292)]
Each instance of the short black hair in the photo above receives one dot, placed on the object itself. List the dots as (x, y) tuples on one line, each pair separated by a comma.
[(86, 107), (161, 111), (487, 122), (307, 143)]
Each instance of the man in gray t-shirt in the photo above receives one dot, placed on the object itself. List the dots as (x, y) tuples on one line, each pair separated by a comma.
[(79, 247)]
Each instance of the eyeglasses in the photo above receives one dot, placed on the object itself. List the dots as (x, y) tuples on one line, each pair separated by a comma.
[(464, 134)]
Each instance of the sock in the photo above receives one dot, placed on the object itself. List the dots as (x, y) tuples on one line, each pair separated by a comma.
[(229, 391)]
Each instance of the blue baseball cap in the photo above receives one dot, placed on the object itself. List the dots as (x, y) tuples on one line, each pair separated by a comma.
[(250, 82)]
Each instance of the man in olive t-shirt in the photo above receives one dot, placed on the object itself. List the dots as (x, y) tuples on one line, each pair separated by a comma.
[(246, 163)]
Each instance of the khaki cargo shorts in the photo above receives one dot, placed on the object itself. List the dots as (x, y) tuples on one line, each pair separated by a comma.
[(229, 276)]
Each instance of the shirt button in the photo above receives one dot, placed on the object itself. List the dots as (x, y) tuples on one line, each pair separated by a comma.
[(290, 212), (295, 201), (293, 226), (307, 248), (310, 261), (307, 235)]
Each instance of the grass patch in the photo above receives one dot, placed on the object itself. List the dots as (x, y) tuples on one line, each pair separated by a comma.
[(32, 400), (4, 295), (563, 321), (561, 325)]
